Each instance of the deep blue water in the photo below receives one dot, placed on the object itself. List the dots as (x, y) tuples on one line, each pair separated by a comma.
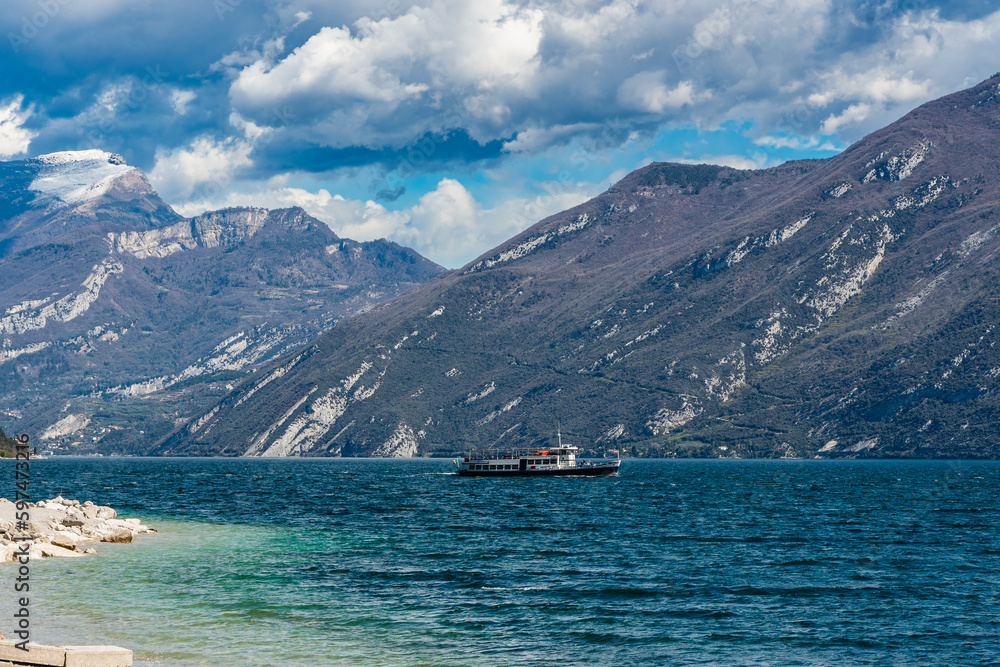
[(311, 562)]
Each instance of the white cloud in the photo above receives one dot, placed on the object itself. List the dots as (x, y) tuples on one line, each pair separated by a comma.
[(535, 139), (452, 43), (250, 130), (454, 64), (647, 91), (851, 115), (180, 99), (500, 68), (112, 96), (205, 166), (876, 85), (921, 56), (14, 138), (332, 65), (490, 45), (876, 89), (787, 142), (591, 29), (447, 218)]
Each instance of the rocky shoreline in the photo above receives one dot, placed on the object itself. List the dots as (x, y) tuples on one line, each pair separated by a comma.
[(61, 528)]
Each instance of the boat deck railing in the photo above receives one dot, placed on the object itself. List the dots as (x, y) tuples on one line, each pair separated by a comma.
[(520, 453)]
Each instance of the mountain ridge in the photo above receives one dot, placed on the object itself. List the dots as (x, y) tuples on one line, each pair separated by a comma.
[(688, 310), (119, 311)]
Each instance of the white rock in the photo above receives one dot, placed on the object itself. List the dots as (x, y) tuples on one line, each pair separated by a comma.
[(53, 551)]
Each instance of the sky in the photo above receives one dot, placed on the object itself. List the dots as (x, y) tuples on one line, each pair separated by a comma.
[(449, 126)]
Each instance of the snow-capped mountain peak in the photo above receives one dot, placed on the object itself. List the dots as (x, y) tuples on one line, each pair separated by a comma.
[(77, 176)]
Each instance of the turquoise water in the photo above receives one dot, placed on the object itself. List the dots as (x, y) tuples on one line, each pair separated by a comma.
[(315, 562)]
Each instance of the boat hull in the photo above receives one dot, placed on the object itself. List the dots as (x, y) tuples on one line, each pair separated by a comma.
[(589, 471)]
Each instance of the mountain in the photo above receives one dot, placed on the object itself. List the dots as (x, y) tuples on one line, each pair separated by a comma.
[(122, 318), (839, 307)]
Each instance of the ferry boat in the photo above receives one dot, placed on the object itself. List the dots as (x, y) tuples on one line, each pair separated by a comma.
[(533, 462)]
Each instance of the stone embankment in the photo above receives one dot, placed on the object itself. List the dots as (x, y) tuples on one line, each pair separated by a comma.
[(39, 655), (63, 528)]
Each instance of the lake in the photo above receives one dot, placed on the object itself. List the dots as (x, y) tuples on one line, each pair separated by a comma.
[(399, 562)]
